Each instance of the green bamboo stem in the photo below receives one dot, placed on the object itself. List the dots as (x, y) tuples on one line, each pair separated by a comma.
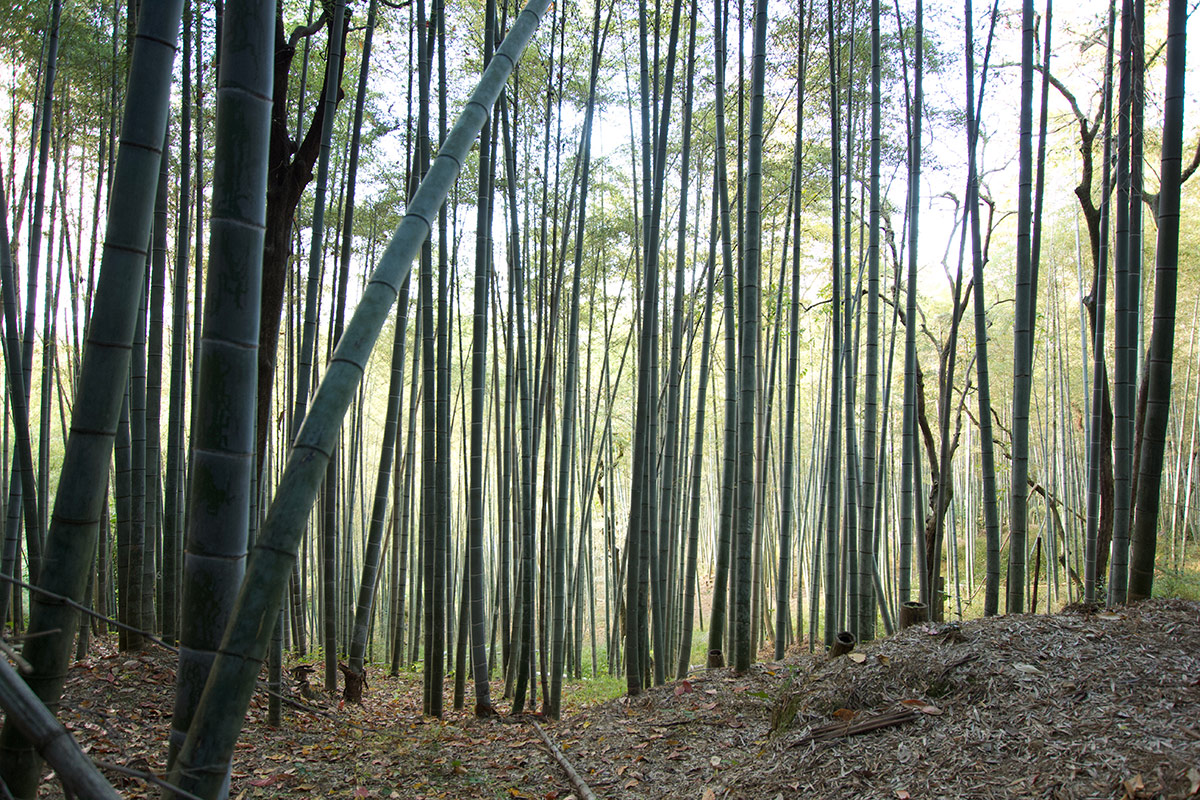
[(70, 544), (219, 717)]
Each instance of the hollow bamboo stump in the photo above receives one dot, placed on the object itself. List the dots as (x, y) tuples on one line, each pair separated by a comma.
[(914, 612), (842, 644)]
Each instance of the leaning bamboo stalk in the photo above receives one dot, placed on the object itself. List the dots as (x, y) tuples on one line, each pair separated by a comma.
[(35, 526), (219, 717), (1180, 421), (77, 514), (51, 739)]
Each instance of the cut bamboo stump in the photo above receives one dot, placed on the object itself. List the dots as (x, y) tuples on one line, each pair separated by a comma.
[(914, 612), (843, 643), (355, 683), (585, 793)]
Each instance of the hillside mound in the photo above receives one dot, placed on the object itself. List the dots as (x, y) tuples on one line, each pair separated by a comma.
[(1080, 704)]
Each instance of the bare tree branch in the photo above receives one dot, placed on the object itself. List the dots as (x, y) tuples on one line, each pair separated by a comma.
[(305, 31)]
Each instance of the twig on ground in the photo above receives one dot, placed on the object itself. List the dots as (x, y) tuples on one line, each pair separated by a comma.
[(964, 660)]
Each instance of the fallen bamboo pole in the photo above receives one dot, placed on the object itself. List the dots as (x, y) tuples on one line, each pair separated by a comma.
[(585, 793), (856, 726)]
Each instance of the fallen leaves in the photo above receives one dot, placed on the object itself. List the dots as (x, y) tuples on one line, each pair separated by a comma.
[(1133, 787), (923, 707)]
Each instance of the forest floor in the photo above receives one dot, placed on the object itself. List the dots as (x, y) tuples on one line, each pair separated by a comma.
[(1081, 704)]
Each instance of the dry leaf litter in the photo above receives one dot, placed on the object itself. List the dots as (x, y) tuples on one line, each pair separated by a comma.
[(1081, 704)]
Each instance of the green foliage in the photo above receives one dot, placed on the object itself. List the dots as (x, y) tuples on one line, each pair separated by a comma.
[(85, 55), (1181, 580)]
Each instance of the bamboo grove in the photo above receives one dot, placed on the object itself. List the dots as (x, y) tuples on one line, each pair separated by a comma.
[(514, 344)]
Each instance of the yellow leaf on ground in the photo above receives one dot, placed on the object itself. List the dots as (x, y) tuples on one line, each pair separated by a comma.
[(1133, 785)]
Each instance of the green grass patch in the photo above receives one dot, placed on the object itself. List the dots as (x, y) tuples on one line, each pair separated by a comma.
[(1184, 582), (579, 694)]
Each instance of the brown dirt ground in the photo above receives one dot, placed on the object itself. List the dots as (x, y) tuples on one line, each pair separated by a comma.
[(1081, 704)]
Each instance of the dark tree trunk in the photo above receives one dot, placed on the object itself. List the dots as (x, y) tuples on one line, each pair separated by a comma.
[(290, 170)]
